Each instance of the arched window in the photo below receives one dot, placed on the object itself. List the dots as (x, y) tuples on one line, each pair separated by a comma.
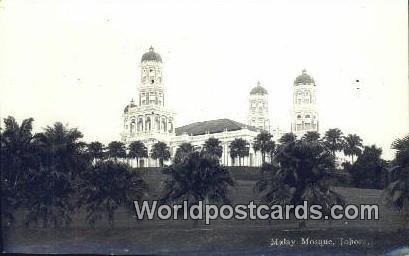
[(307, 116), (157, 123), (170, 127), (163, 125), (140, 124), (148, 124), (298, 116), (132, 130)]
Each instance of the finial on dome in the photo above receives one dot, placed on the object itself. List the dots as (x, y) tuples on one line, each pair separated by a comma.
[(304, 71), (258, 83), (132, 101), (151, 48)]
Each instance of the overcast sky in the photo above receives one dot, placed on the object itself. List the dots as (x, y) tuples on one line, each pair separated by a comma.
[(77, 61)]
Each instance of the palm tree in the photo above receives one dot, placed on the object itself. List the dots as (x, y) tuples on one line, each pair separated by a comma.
[(239, 148), (61, 149), (116, 149), (182, 152), (51, 199), (369, 170), (287, 138), (199, 177), (263, 143), (397, 190), (213, 147), (286, 141), (137, 150), (160, 151), (311, 136), (62, 158), (108, 186), (300, 175), (333, 140), (17, 157), (95, 151), (352, 146)]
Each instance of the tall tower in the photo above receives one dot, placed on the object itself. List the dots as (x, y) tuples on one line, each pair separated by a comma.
[(148, 119), (305, 113), (258, 108)]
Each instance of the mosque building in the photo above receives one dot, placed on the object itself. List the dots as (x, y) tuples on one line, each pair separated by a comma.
[(148, 119)]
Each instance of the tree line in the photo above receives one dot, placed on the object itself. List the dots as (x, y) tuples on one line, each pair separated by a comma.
[(53, 173)]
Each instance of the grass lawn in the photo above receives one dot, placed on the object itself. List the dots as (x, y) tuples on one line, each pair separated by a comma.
[(245, 237)]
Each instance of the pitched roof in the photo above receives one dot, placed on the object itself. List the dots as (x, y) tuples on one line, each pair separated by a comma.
[(212, 126)]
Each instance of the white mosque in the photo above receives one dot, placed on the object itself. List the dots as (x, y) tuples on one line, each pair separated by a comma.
[(149, 120)]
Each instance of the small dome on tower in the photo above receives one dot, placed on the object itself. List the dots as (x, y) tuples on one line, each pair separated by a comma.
[(260, 90), (151, 55), (304, 78), (130, 105)]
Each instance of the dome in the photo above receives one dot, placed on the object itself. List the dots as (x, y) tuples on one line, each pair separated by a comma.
[(151, 56), (304, 78), (260, 90), (130, 105)]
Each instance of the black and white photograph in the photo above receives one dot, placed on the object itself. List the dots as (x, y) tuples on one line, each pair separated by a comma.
[(218, 127)]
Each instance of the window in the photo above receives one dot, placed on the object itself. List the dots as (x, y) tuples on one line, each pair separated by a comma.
[(298, 116), (152, 81), (307, 116)]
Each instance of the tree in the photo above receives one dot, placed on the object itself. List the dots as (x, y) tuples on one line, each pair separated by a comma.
[(108, 186), (239, 148), (116, 149), (271, 187), (264, 144), (369, 169), (286, 141), (397, 189), (60, 148), (160, 151), (52, 185), (333, 140), (182, 152), (51, 199), (300, 174), (213, 147), (352, 146), (287, 138), (199, 177), (137, 150), (95, 151), (18, 156), (311, 136)]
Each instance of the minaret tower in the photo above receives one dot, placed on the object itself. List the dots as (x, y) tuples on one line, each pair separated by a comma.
[(305, 113), (258, 108), (147, 119), (150, 88)]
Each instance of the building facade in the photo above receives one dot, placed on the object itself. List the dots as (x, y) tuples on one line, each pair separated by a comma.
[(148, 119), (305, 112)]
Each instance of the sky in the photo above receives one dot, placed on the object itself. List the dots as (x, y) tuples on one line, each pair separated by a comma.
[(78, 61)]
